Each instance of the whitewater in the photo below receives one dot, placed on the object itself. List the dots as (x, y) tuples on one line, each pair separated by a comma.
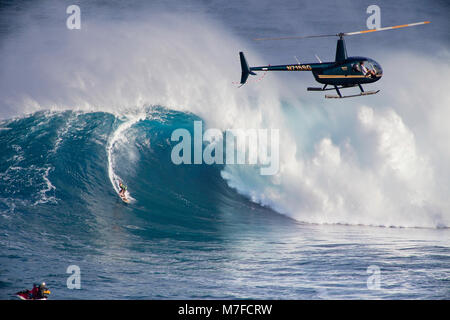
[(361, 182)]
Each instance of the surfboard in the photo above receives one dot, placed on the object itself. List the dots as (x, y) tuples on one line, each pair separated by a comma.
[(124, 198)]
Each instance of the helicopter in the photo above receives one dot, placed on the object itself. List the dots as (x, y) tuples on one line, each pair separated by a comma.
[(344, 72)]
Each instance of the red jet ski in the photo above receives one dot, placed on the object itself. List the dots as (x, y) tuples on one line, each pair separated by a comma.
[(37, 293)]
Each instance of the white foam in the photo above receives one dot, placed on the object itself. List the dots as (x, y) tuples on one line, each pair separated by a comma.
[(48, 187), (116, 137)]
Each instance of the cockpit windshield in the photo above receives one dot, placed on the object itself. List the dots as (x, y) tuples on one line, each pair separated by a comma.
[(368, 66), (373, 65)]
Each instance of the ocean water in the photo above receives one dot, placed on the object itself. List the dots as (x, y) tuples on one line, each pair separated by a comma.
[(358, 210)]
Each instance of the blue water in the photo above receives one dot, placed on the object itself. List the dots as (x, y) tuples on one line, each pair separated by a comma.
[(187, 234)]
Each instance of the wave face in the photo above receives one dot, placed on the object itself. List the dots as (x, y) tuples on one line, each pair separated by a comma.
[(71, 162), (380, 161)]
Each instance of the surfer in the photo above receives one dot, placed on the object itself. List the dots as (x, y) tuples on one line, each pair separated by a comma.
[(123, 189)]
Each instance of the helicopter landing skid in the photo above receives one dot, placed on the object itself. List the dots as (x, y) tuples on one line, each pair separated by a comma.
[(366, 93), (339, 95)]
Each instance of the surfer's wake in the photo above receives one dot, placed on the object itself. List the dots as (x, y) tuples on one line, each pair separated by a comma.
[(118, 137)]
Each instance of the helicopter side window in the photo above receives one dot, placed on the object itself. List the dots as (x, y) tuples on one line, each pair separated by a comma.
[(376, 68), (356, 67), (370, 66), (363, 65), (366, 68)]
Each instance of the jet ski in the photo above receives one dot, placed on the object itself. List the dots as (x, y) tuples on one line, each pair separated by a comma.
[(37, 293)]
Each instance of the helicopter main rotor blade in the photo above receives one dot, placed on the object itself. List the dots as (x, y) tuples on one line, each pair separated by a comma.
[(296, 37), (346, 33), (386, 28)]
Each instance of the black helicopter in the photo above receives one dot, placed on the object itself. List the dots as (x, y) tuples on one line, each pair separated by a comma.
[(344, 72)]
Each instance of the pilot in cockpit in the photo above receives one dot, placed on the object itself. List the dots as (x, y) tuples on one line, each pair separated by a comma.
[(365, 71)]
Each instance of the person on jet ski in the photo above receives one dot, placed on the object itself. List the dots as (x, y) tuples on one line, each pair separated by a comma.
[(34, 292), (41, 291), (38, 292)]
